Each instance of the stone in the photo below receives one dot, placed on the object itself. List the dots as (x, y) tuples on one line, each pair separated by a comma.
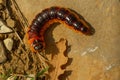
[(8, 43), (19, 51), (4, 28), (3, 57), (10, 22)]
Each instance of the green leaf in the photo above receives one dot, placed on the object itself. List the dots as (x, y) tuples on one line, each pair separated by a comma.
[(42, 72), (15, 78), (33, 78)]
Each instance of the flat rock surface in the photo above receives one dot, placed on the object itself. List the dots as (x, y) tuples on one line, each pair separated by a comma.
[(93, 57)]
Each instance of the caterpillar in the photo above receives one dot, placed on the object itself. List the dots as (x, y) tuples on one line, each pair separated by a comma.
[(48, 16)]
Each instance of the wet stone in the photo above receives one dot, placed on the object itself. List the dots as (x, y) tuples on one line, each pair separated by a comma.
[(8, 43), (3, 57)]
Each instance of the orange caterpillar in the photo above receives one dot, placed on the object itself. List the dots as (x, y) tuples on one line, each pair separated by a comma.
[(48, 16)]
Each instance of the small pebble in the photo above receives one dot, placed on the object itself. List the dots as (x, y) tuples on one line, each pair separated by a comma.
[(19, 51), (4, 28), (10, 22), (8, 43), (3, 57)]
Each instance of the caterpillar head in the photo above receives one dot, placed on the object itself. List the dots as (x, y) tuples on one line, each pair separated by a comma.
[(37, 45)]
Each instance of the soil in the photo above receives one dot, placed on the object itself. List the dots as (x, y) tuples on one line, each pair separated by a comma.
[(94, 57)]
